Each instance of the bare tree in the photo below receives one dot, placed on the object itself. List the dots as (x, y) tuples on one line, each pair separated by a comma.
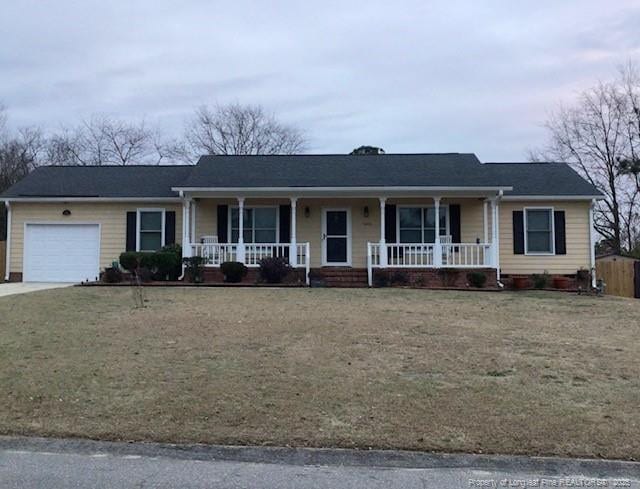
[(239, 129), (101, 140), (592, 137)]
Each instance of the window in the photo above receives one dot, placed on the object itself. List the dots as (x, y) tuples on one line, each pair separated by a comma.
[(150, 229), (539, 231), (260, 224), (418, 224)]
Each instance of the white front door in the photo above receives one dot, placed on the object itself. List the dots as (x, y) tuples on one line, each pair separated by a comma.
[(336, 237), (61, 252)]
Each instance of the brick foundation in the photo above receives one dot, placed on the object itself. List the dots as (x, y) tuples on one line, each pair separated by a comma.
[(432, 278), (573, 284), (215, 275), (15, 277)]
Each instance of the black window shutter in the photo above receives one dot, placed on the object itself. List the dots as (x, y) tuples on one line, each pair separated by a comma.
[(559, 226), (131, 231), (285, 223), (169, 228), (454, 223), (390, 224), (223, 219), (518, 233)]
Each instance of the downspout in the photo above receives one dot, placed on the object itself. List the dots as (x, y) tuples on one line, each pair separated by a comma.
[(497, 218), (184, 223), (592, 247), (8, 248)]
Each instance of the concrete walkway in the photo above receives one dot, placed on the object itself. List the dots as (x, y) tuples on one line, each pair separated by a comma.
[(15, 288), (37, 462)]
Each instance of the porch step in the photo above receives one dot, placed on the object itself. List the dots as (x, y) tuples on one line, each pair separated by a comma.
[(343, 277)]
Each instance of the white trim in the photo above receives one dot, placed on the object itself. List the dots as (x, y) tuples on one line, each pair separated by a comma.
[(163, 211), (349, 236), (553, 232), (485, 222), (192, 217), (158, 200), (246, 207), (57, 223), (340, 189), (552, 197), (422, 206)]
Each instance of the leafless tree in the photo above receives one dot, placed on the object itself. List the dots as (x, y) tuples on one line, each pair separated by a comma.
[(593, 137), (102, 140), (239, 129)]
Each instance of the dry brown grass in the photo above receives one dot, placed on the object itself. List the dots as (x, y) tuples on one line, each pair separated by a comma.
[(535, 373)]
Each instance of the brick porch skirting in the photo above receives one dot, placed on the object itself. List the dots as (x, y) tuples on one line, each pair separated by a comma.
[(434, 278)]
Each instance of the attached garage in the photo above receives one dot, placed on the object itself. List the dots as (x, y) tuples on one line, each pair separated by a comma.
[(61, 252)]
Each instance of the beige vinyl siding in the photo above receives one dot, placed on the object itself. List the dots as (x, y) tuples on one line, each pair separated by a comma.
[(577, 239), (112, 218)]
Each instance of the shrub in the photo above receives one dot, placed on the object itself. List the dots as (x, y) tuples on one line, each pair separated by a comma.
[(112, 275), (583, 276), (194, 268), (449, 276), (129, 260), (274, 270), (477, 279), (399, 277), (233, 271), (540, 280), (381, 278)]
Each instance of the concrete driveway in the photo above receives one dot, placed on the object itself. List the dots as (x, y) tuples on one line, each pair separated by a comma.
[(23, 288)]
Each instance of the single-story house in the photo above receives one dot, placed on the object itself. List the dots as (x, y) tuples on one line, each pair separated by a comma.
[(347, 216)]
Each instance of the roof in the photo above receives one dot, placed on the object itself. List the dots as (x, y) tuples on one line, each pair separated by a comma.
[(461, 170), (100, 181), (539, 179), (382, 170)]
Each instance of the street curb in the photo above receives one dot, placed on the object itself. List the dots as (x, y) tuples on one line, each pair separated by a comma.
[(382, 459)]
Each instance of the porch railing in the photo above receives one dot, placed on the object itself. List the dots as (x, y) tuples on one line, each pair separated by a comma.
[(428, 255), (250, 254)]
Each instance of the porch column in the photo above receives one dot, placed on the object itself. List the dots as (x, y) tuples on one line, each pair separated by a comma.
[(186, 220), (485, 222), (293, 246), (437, 248), (240, 255), (383, 241), (494, 233)]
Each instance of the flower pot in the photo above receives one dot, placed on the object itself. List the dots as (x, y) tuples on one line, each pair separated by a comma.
[(520, 282), (561, 282)]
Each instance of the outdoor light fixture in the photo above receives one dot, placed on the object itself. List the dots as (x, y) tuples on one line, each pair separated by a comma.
[(366, 211), (307, 211), (66, 212)]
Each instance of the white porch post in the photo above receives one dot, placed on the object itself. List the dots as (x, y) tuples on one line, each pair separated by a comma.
[(437, 248), (592, 247), (186, 241), (7, 273), (485, 222), (494, 234), (293, 246), (193, 222), (383, 241), (241, 250)]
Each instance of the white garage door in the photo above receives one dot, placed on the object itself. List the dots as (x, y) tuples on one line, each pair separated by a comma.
[(61, 252)]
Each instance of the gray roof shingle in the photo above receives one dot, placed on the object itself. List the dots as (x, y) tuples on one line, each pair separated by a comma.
[(397, 170)]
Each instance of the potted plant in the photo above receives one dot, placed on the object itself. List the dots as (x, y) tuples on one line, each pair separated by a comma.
[(561, 282), (520, 281)]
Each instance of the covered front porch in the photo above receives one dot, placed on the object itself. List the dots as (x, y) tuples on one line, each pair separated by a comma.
[(338, 233)]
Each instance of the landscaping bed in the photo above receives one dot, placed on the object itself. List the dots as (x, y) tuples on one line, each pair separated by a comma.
[(527, 372)]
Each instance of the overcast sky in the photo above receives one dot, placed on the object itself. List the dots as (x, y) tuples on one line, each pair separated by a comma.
[(420, 76)]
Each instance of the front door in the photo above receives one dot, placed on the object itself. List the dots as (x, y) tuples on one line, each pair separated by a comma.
[(336, 237)]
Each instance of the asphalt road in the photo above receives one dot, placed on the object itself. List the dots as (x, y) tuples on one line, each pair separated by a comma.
[(38, 463)]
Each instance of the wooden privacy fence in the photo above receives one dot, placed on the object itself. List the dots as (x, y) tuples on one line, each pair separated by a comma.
[(3, 250), (621, 276)]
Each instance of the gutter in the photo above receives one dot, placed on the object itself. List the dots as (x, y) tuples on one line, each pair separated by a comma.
[(497, 224)]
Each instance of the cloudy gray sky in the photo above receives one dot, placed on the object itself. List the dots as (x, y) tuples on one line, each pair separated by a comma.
[(410, 76)]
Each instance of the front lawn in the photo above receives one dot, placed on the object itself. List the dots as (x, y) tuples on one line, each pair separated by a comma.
[(534, 373)]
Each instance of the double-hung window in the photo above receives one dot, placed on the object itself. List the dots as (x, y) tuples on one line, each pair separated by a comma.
[(418, 224), (150, 229), (539, 232), (260, 224)]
